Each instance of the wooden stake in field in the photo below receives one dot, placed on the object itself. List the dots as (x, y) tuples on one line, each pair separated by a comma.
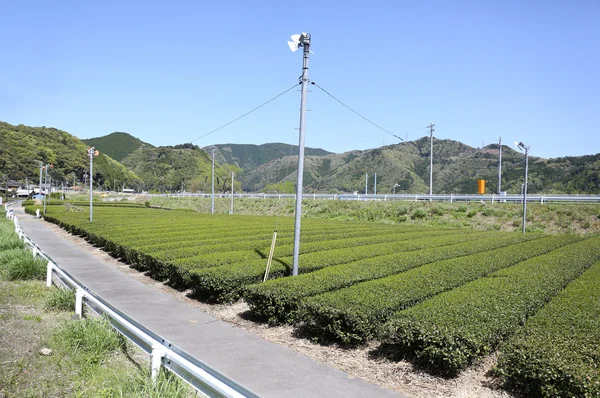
[(270, 256)]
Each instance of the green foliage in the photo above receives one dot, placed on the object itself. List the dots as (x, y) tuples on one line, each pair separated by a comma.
[(60, 300), (116, 145), (169, 169), (450, 331), (23, 147), (19, 264), (353, 315), (281, 187), (556, 353), (89, 340), (277, 301)]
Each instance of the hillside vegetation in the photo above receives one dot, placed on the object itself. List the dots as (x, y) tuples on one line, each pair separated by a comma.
[(181, 167), (456, 169), (117, 145), (22, 148), (249, 156)]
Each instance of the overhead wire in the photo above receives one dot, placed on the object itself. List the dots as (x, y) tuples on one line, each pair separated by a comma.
[(352, 110), (247, 113)]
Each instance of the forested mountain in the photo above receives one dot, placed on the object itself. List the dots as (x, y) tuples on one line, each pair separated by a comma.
[(456, 169), (116, 145), (181, 167), (22, 148), (249, 157)]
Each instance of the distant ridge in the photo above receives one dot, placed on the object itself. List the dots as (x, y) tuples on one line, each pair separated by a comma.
[(250, 156), (117, 145)]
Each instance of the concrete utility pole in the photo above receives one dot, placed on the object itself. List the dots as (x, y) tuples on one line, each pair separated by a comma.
[(212, 196), (366, 183), (375, 185), (431, 130), (304, 41), (500, 167), (40, 186), (45, 186), (92, 152), (525, 148), (231, 210)]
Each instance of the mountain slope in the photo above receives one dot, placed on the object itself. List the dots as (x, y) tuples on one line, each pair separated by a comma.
[(249, 156), (22, 148), (456, 169), (116, 145), (179, 167)]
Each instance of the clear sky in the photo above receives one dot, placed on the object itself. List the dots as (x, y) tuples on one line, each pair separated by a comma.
[(168, 72)]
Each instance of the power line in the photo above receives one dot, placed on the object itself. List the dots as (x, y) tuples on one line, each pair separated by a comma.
[(352, 110), (247, 113)]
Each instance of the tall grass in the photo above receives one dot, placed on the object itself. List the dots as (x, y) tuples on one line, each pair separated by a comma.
[(19, 264), (60, 300)]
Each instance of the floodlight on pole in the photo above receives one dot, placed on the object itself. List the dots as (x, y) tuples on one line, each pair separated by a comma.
[(303, 40), (524, 148)]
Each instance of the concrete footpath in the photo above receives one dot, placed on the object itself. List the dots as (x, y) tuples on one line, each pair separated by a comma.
[(266, 368)]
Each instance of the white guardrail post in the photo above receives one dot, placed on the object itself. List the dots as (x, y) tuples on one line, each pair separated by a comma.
[(206, 380)]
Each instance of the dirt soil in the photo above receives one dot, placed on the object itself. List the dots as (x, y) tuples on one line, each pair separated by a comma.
[(399, 376)]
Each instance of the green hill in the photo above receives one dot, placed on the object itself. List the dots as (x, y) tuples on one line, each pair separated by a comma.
[(248, 156), (22, 148), (180, 167), (116, 145), (456, 169)]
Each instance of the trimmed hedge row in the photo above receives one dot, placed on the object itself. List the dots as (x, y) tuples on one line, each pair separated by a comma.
[(353, 315), (225, 283), (450, 331), (277, 301), (557, 353)]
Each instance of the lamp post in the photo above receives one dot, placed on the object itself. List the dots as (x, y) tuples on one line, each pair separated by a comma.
[(92, 152), (395, 185), (525, 148)]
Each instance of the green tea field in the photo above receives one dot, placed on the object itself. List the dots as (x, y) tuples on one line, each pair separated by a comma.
[(441, 297)]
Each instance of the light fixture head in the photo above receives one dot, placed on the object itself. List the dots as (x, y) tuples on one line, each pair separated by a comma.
[(300, 40)]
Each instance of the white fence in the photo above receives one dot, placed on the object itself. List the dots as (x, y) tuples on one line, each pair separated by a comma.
[(208, 381), (405, 197)]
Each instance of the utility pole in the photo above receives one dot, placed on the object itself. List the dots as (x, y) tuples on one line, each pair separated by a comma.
[(431, 130), (525, 148), (40, 186), (304, 41), (500, 167), (375, 185), (45, 187), (212, 196), (92, 152), (366, 183), (231, 210)]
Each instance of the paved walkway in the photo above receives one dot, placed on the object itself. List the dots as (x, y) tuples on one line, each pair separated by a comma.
[(266, 368)]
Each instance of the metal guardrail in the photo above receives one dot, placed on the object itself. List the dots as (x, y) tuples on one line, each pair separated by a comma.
[(202, 377), (404, 197)]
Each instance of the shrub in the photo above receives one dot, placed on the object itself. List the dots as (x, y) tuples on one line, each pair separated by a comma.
[(556, 353), (277, 301), (353, 315), (450, 331), (418, 214)]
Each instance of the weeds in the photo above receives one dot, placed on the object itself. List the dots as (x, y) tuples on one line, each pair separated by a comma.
[(18, 264), (60, 300)]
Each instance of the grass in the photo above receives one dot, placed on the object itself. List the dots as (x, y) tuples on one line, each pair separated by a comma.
[(60, 300), (579, 219), (89, 358)]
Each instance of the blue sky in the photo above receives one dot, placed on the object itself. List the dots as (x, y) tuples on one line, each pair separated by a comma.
[(169, 72)]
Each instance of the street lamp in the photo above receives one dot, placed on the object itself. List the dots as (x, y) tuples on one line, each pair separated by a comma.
[(525, 148), (395, 185), (92, 152)]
